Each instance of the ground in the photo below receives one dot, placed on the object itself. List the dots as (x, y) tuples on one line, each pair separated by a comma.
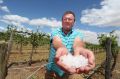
[(37, 71)]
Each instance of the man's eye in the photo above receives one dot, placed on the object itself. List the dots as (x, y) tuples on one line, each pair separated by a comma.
[(67, 19)]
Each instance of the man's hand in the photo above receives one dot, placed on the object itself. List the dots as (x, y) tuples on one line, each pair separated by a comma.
[(61, 52), (91, 59)]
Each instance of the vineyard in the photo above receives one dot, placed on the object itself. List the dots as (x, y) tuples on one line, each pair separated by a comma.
[(23, 55)]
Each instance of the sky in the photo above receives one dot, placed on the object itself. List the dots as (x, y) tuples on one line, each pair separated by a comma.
[(93, 17)]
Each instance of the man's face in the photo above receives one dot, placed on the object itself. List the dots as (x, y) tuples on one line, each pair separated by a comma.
[(68, 21)]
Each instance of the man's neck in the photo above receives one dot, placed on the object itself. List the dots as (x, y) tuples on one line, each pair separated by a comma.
[(66, 31)]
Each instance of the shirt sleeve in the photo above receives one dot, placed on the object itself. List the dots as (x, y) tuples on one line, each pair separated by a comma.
[(80, 35), (55, 32)]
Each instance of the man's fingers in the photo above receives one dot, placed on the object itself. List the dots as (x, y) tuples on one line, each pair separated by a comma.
[(80, 70), (84, 54), (58, 54), (87, 69), (91, 63), (72, 70)]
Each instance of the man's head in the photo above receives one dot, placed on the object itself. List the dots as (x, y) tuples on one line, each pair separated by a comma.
[(68, 20)]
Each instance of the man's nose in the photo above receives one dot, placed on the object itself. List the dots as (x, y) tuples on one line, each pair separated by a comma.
[(67, 20)]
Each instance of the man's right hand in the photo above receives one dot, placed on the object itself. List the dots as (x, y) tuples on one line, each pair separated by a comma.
[(60, 52)]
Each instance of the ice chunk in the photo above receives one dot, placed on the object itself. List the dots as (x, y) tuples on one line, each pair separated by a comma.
[(74, 61)]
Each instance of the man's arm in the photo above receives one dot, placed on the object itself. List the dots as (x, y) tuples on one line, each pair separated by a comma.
[(78, 44), (57, 42), (79, 49), (60, 51), (59, 47)]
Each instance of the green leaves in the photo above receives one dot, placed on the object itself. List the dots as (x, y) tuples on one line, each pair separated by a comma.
[(103, 37), (114, 45)]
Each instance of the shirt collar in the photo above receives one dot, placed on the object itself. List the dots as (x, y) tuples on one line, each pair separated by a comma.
[(70, 32)]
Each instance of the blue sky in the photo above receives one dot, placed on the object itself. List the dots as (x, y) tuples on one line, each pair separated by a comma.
[(92, 16)]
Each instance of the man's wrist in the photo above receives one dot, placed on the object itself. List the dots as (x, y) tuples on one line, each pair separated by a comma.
[(77, 50), (62, 47)]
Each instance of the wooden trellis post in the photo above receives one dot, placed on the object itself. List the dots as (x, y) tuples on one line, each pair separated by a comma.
[(108, 58), (5, 49), (3, 62)]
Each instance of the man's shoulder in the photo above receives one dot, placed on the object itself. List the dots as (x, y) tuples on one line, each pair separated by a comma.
[(77, 31), (55, 30)]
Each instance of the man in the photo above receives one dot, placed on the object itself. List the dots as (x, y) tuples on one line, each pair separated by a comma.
[(63, 41)]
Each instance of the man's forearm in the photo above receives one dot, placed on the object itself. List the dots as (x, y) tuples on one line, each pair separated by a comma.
[(57, 42), (78, 45)]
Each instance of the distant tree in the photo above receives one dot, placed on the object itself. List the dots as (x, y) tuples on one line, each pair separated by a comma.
[(34, 40), (2, 34), (109, 43)]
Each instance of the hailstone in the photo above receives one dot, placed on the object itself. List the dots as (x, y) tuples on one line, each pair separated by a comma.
[(74, 61)]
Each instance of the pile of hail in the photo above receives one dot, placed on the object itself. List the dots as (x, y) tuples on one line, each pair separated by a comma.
[(74, 61)]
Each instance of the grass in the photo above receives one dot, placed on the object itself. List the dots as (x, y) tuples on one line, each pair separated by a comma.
[(100, 57), (42, 52)]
